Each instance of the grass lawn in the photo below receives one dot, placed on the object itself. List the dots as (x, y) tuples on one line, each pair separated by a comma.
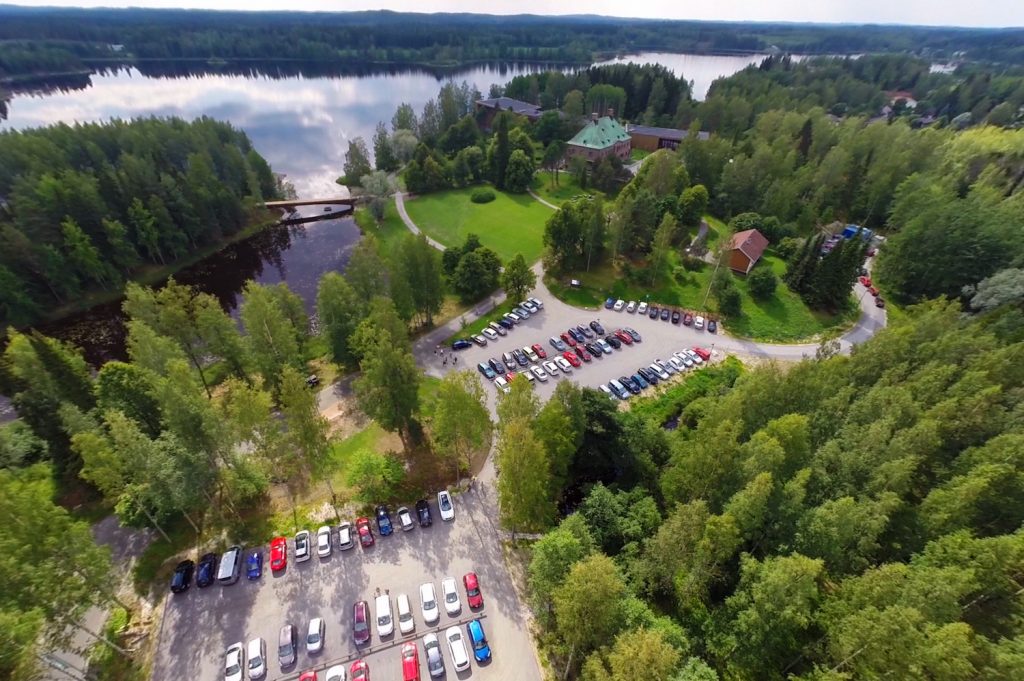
[(638, 154), (566, 189), (511, 224), (784, 318)]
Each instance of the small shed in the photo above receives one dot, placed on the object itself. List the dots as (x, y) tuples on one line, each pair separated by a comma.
[(745, 249)]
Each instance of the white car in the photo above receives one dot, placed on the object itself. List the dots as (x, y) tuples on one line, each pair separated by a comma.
[(698, 322), (257, 658), (656, 368), (529, 376), (541, 375), (530, 354), (513, 317), (302, 551), (669, 369), (619, 304), (606, 348), (694, 356), (539, 304), (498, 328), (450, 592), (563, 364), (460, 656), (551, 368), (406, 622), (337, 673), (233, 661), (444, 503), (345, 539), (501, 384), (631, 306), (642, 308), (428, 603), (432, 651), (490, 333), (323, 542), (529, 307), (479, 340), (684, 358), (315, 635), (608, 391), (385, 623), (405, 518), (677, 364)]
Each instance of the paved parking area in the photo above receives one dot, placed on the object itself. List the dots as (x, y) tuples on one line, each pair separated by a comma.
[(200, 624)]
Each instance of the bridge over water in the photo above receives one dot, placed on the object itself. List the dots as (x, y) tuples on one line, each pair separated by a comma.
[(335, 201)]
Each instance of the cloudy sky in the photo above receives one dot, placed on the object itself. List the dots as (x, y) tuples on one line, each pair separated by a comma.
[(999, 13)]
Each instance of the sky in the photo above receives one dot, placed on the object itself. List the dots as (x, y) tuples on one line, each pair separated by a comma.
[(990, 13)]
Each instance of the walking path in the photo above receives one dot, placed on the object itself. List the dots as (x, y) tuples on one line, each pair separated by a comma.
[(400, 205), (546, 203)]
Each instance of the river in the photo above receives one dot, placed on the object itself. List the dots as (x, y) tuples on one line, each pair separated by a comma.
[(302, 125)]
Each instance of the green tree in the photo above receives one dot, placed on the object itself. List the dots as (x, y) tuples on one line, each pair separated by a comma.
[(461, 426), (554, 153), (524, 481), (339, 310), (552, 557), (376, 476), (476, 274), (357, 161), (661, 247), (519, 172), (762, 283), (380, 324), (388, 389), (693, 203), (271, 336), (502, 150), (366, 270), (129, 389), (383, 155), (518, 278), (642, 653), (83, 255), (420, 264), (588, 603)]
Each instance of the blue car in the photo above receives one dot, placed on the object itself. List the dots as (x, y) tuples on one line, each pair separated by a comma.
[(481, 650), (254, 565), (384, 521), (609, 303), (461, 344)]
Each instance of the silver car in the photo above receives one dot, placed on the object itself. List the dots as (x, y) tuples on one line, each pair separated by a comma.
[(346, 540), (435, 661)]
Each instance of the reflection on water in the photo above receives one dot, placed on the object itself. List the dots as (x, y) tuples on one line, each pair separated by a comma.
[(701, 69)]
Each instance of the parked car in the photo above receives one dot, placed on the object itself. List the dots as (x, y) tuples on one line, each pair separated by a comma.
[(569, 340), (609, 303), (410, 662), (675, 316), (506, 324), (479, 340), (361, 623), (207, 570), (698, 322), (364, 532), (873, 291), (278, 553), (521, 357), (529, 306), (461, 344), (665, 366), (525, 373), (254, 565), (619, 304), (302, 548), (613, 341), (563, 364), (336, 673), (658, 370), (384, 525), (697, 359), (684, 358), (640, 381), (481, 649), (687, 319), (630, 385), (452, 604), (551, 368), (444, 503), (633, 334), (428, 603), (489, 333), (423, 513), (432, 650), (623, 336), (473, 594), (257, 658), (577, 336), (538, 349), (879, 302), (521, 312), (642, 308), (234, 658), (712, 326), (346, 538), (665, 314), (496, 365), (182, 577), (631, 306), (486, 370), (513, 317), (864, 280), (607, 391), (583, 353), (537, 302), (457, 646), (654, 312), (530, 354), (572, 359), (677, 364), (596, 326), (587, 332), (498, 328), (385, 622), (359, 671), (309, 675), (509, 359), (323, 542), (703, 354), (406, 622), (649, 375), (502, 384), (618, 389), (594, 349), (557, 344), (404, 518), (287, 646), (315, 635)]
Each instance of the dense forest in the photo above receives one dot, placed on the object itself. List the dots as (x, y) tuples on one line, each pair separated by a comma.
[(33, 40), (844, 518), (83, 207)]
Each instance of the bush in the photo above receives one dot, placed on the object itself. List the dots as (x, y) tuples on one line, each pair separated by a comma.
[(787, 247), (692, 264), (762, 283), (481, 196)]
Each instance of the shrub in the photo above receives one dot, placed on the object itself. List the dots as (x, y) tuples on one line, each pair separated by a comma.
[(692, 264), (481, 196), (762, 283)]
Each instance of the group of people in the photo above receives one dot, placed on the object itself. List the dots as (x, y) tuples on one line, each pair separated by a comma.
[(444, 358)]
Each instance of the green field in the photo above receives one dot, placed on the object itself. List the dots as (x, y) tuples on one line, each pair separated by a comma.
[(511, 224), (784, 318), (566, 189)]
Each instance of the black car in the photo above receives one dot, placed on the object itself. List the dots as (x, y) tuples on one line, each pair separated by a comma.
[(596, 326), (630, 384), (640, 381), (521, 357), (594, 349), (423, 513), (207, 570), (632, 332), (664, 314), (498, 367), (713, 325), (587, 333), (182, 576), (577, 336), (613, 341), (652, 312), (461, 344), (648, 375), (505, 324), (608, 303), (675, 316)]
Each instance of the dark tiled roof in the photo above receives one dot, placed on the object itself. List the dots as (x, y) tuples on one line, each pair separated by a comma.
[(508, 104), (664, 133)]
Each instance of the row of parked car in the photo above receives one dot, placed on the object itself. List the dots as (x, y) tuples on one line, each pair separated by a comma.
[(253, 657), (226, 568), (657, 371), (664, 313), (576, 346), (500, 327)]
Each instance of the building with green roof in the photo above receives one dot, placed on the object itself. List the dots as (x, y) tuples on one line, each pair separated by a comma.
[(600, 138)]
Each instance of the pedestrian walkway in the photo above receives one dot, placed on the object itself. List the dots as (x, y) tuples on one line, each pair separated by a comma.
[(546, 203), (400, 205)]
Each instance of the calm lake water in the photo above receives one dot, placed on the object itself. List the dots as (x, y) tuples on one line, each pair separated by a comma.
[(302, 125)]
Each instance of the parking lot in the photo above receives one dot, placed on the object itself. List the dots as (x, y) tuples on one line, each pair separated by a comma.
[(200, 624)]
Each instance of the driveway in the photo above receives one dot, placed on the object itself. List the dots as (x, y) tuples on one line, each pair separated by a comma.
[(198, 625)]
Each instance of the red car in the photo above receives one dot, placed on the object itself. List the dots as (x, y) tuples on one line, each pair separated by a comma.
[(873, 291), (623, 336), (359, 670), (865, 281), (582, 352), (539, 350), (308, 676), (473, 595), (704, 354), (364, 531), (571, 357), (361, 623), (278, 553), (410, 662), (569, 340), (687, 319)]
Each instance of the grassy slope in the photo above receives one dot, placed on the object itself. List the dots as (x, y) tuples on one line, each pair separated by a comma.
[(567, 187), (511, 224)]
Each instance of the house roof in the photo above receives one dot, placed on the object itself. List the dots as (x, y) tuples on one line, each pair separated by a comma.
[(516, 106), (750, 242), (600, 134), (664, 133)]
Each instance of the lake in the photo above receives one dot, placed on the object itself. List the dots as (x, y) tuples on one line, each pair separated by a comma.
[(302, 125)]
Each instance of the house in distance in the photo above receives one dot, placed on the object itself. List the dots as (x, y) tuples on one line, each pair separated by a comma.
[(651, 139), (600, 138), (745, 249), (487, 109)]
